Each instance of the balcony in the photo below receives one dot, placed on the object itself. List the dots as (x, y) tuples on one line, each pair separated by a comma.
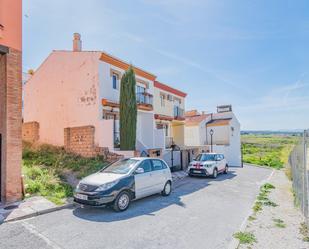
[(144, 101), (179, 113)]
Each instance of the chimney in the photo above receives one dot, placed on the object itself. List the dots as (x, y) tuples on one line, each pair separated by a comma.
[(77, 43)]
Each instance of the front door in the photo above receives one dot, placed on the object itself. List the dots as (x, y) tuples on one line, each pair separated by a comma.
[(144, 182)]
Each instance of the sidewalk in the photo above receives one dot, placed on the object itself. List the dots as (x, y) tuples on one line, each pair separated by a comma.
[(277, 226), (27, 208)]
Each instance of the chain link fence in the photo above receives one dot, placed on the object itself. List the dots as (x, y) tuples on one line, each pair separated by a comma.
[(298, 162)]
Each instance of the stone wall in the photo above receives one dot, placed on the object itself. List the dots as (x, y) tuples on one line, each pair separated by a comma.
[(80, 140), (31, 132)]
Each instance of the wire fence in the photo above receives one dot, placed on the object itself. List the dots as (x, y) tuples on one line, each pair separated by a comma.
[(298, 162)]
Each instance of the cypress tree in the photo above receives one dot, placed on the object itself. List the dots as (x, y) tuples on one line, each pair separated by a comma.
[(128, 110)]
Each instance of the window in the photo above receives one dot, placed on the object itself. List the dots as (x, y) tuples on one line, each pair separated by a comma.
[(140, 94), (169, 97), (121, 167), (114, 80), (206, 157), (157, 165), (219, 157), (146, 165), (166, 130), (162, 99)]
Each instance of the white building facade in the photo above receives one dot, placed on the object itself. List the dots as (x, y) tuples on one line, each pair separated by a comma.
[(217, 132), (80, 88)]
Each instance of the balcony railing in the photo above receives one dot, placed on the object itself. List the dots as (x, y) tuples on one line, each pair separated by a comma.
[(144, 98), (178, 112)]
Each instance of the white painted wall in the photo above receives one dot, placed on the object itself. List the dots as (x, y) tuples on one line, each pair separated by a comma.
[(159, 138), (145, 128), (221, 134), (232, 150), (105, 134), (195, 135), (192, 136), (168, 108)]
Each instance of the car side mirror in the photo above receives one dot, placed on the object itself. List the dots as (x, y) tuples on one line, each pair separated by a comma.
[(139, 171)]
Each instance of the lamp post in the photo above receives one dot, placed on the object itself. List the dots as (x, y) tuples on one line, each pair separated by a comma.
[(211, 132)]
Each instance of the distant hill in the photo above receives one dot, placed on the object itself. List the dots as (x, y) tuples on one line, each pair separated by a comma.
[(269, 132)]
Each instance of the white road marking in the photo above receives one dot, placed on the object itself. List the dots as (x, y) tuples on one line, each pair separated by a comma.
[(33, 230)]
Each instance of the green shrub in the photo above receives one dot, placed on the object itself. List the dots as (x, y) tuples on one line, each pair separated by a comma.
[(44, 168), (267, 150), (245, 237)]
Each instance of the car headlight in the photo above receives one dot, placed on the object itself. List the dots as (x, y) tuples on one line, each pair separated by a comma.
[(208, 165), (107, 186)]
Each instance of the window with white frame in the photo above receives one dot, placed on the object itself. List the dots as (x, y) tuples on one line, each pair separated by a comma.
[(115, 80), (162, 99)]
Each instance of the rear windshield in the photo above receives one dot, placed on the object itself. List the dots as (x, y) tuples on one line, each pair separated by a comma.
[(121, 167), (206, 157)]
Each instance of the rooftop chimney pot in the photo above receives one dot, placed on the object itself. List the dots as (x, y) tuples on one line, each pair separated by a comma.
[(77, 43)]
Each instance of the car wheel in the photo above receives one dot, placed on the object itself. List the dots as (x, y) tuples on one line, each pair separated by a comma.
[(122, 201), (226, 169), (167, 189), (215, 173)]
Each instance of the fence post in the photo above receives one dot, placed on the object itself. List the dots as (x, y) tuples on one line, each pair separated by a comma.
[(306, 169)]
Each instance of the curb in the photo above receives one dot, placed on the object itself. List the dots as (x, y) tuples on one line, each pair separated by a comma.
[(260, 166), (46, 211)]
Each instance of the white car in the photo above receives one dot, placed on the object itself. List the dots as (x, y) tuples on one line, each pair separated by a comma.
[(124, 181), (208, 164)]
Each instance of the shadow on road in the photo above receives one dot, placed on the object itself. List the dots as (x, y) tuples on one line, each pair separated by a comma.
[(149, 205)]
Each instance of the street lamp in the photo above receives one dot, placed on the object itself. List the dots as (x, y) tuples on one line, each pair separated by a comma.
[(211, 132)]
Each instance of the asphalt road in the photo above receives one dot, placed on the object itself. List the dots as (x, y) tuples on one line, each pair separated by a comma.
[(200, 213)]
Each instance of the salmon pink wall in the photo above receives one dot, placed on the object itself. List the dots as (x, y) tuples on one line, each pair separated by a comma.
[(11, 19)]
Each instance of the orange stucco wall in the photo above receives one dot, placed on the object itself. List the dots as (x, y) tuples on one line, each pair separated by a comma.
[(11, 20)]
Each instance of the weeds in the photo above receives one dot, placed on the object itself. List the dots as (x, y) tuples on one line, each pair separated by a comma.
[(44, 168), (262, 198), (251, 218), (257, 206), (245, 237), (304, 231), (279, 223)]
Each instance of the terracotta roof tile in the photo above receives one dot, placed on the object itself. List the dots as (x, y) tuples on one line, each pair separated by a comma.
[(195, 120)]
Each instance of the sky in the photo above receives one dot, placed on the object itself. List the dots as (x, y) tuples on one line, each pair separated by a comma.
[(252, 54)]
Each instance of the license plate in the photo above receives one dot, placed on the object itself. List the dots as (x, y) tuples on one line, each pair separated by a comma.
[(82, 197), (196, 171)]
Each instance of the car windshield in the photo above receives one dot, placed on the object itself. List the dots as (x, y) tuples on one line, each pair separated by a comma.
[(205, 157), (121, 167)]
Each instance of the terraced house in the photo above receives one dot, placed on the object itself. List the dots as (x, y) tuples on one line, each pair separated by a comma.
[(73, 100), (215, 132), (169, 113)]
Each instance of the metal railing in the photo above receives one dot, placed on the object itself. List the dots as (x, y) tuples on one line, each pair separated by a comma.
[(144, 98), (298, 161), (178, 112)]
